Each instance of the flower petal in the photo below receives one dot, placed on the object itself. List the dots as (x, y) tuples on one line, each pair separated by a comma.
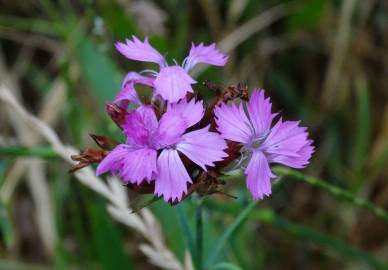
[(259, 176), (172, 83), (140, 125), (127, 95), (133, 164), (149, 117), (191, 111), (301, 161), (113, 161), (171, 128), (233, 124), (285, 138), (137, 78), (128, 92), (203, 147), (288, 144), (206, 55), (259, 109), (171, 181), (140, 51), (139, 165)]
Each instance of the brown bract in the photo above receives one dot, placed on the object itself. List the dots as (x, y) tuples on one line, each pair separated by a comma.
[(117, 113), (87, 157), (104, 142)]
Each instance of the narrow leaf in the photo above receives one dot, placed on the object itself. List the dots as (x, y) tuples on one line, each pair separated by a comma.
[(229, 232), (225, 266)]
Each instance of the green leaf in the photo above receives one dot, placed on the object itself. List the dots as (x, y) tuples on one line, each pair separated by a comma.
[(168, 218), (334, 190), (107, 239), (199, 235), (329, 242), (268, 216), (5, 226), (225, 266), (121, 25), (16, 151), (180, 42), (100, 72), (61, 188), (229, 232), (187, 231), (362, 132)]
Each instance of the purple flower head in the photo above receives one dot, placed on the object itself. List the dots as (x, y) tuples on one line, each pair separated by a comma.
[(171, 82), (250, 124), (152, 148)]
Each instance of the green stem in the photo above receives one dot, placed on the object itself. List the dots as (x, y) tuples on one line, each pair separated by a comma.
[(325, 240), (16, 265), (270, 217), (6, 226), (16, 151), (187, 233), (199, 234), (334, 190), (225, 266), (229, 232)]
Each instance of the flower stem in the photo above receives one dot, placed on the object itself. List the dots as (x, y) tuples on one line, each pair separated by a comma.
[(199, 234), (188, 234), (218, 247), (16, 151), (334, 190)]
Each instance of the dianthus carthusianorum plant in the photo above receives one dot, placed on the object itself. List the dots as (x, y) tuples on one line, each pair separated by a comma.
[(177, 145)]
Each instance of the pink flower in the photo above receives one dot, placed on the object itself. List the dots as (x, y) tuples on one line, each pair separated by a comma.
[(152, 148), (250, 124), (171, 82)]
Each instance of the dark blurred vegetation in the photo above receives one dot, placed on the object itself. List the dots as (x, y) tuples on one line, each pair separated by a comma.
[(324, 62)]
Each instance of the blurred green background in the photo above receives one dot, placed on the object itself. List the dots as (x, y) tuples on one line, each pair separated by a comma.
[(323, 62)]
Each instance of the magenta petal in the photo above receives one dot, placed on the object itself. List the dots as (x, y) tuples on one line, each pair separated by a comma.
[(203, 147), (206, 55), (140, 51), (137, 78), (288, 144), (259, 176), (113, 161), (140, 125), (233, 124), (133, 164), (300, 161), (138, 165), (171, 181), (148, 117), (191, 111), (172, 83), (127, 95), (128, 92), (171, 128), (259, 109)]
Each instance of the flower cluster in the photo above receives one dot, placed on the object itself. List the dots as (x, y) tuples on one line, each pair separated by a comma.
[(175, 145)]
